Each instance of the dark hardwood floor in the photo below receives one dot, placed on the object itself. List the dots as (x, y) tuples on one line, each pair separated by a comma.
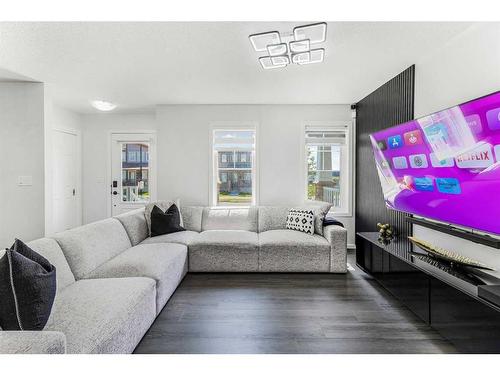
[(288, 313)]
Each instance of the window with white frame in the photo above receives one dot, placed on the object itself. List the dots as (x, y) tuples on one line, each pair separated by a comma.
[(132, 156), (234, 167), (327, 166)]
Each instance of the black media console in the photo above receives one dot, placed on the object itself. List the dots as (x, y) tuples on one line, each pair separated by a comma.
[(461, 305)]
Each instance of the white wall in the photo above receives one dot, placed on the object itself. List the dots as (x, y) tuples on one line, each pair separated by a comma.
[(21, 142), (183, 149), (465, 68), (96, 131), (61, 119)]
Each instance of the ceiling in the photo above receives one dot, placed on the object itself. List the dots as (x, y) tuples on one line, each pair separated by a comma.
[(139, 65)]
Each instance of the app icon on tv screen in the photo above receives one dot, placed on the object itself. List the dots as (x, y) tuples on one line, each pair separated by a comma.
[(445, 166), (395, 141)]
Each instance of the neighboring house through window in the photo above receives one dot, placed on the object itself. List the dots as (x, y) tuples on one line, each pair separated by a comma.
[(233, 182), (327, 165), (135, 172)]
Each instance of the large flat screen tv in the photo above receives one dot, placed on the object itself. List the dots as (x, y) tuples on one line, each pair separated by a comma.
[(445, 166)]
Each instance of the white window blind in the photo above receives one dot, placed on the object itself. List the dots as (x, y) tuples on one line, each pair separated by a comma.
[(331, 136), (234, 140)]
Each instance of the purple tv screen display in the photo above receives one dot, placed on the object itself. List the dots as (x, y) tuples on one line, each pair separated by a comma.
[(445, 166)]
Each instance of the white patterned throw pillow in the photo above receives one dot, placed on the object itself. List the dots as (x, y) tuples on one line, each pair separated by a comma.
[(301, 220)]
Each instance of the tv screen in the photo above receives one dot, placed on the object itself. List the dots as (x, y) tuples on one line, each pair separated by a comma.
[(445, 166)]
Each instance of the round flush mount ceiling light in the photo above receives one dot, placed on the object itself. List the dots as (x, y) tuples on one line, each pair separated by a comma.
[(103, 105)]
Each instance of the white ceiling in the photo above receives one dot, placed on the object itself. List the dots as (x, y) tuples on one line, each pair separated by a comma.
[(8, 76), (139, 65)]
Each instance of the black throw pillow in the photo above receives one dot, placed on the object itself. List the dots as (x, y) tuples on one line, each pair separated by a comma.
[(165, 222), (27, 289), (330, 220)]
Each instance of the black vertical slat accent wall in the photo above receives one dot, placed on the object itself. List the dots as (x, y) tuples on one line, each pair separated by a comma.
[(389, 105)]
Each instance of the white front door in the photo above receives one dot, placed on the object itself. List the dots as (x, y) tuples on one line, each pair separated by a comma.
[(132, 172), (64, 181)]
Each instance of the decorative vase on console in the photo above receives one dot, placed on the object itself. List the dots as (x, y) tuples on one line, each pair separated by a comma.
[(386, 233)]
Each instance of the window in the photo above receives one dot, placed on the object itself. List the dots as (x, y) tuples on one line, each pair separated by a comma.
[(132, 156), (234, 167), (327, 165), (135, 172)]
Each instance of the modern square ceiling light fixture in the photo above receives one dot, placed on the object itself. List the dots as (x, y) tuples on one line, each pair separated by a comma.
[(316, 33), (277, 49), (266, 63), (298, 47), (262, 40)]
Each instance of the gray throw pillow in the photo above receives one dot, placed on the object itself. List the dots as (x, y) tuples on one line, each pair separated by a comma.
[(320, 210)]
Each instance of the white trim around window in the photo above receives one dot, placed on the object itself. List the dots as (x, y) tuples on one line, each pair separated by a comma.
[(232, 125), (347, 162)]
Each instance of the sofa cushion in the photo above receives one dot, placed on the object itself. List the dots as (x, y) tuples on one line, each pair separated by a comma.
[(27, 288), (32, 342), (224, 251), (50, 249), (163, 205), (183, 238), (166, 263), (191, 217), (286, 250), (89, 246), (104, 315), (135, 224), (272, 218), (320, 210), (300, 220), (230, 219), (165, 222)]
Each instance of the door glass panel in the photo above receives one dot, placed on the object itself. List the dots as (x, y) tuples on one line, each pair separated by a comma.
[(135, 172)]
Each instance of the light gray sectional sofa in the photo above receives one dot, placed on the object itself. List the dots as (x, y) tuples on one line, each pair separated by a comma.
[(113, 279)]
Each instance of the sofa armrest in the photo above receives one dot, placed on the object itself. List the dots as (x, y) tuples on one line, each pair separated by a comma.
[(32, 342), (337, 237)]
